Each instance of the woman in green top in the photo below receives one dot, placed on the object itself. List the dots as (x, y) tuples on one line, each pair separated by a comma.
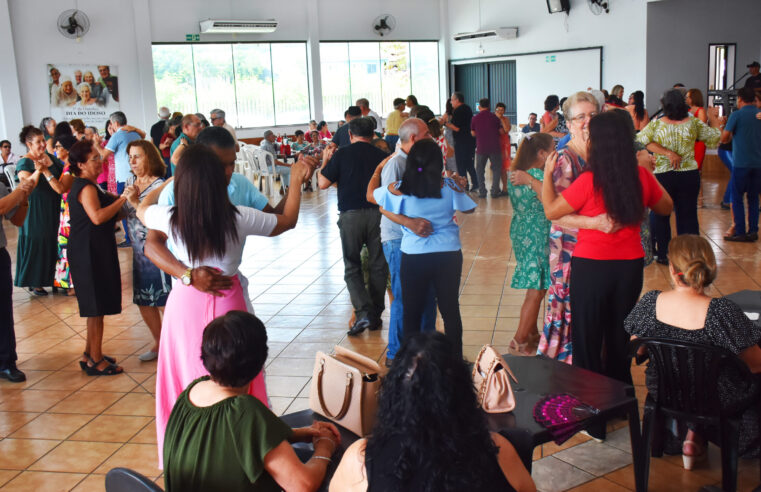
[(529, 233), (672, 140), (221, 438), (38, 238)]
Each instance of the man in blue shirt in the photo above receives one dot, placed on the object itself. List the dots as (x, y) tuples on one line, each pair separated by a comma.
[(743, 129), (240, 190), (533, 125), (117, 145), (341, 137)]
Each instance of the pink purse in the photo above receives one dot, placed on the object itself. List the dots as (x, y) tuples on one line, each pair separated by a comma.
[(491, 378)]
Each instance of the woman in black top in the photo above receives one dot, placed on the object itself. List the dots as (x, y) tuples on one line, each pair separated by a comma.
[(430, 434), (93, 260)]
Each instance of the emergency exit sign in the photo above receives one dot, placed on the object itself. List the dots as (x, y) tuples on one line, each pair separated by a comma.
[(550, 59), (192, 37)]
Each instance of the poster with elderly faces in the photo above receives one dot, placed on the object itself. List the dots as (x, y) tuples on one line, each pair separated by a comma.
[(87, 92)]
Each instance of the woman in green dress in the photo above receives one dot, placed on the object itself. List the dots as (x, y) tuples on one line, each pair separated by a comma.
[(38, 237), (529, 233)]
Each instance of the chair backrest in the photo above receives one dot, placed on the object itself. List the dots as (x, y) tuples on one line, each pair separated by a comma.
[(126, 480), (268, 161), (10, 173), (688, 377)]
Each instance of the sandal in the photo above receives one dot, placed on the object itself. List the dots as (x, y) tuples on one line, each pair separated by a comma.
[(110, 370), (83, 364), (38, 291), (521, 349), (690, 460)]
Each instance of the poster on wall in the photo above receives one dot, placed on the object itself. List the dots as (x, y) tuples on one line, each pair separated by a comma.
[(84, 91)]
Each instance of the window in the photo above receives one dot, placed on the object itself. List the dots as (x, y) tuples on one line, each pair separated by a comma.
[(256, 84), (380, 72)]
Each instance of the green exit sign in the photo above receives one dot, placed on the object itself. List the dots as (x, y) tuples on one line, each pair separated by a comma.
[(550, 59), (192, 37)]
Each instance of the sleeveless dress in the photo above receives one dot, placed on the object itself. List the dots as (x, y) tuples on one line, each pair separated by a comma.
[(62, 273), (38, 238), (93, 259), (504, 145), (555, 341), (700, 147), (529, 233)]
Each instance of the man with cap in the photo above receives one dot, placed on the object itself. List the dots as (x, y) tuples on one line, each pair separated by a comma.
[(159, 128), (754, 81)]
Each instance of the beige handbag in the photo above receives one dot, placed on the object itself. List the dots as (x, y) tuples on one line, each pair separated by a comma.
[(491, 377), (345, 389)]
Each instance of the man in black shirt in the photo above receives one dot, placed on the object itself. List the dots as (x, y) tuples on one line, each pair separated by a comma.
[(754, 81), (159, 128), (351, 168), (464, 142), (341, 137)]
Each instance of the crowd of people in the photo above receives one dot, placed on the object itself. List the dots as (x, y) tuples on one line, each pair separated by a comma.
[(592, 187)]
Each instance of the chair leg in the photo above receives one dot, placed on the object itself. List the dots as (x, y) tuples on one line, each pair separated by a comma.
[(659, 429), (729, 451), (648, 419)]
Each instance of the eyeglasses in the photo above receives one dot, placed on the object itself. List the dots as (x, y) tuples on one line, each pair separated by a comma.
[(582, 117)]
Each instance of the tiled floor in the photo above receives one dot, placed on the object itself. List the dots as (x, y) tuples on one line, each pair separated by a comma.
[(63, 430)]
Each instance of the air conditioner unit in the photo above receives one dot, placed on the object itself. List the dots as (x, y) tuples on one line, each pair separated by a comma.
[(236, 26), (499, 33)]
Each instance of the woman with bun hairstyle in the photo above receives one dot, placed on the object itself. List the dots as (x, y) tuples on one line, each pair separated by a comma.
[(686, 313), (38, 238)]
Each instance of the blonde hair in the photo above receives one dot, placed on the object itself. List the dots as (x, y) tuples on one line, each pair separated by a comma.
[(529, 149), (575, 99), (693, 260)]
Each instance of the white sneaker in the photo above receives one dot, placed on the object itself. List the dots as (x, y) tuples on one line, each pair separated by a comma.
[(148, 356)]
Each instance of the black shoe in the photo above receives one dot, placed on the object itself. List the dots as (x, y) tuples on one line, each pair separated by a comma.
[(359, 326), (124, 244), (753, 236), (481, 194), (12, 374), (496, 195), (662, 261), (725, 206), (38, 291), (740, 238)]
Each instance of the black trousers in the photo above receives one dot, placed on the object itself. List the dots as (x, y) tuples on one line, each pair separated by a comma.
[(464, 154), (683, 186), (603, 293), (441, 271), (7, 334)]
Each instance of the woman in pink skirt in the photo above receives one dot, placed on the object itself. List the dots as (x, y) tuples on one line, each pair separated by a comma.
[(206, 235)]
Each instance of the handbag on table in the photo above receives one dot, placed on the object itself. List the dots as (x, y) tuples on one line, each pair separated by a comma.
[(491, 378), (345, 389)]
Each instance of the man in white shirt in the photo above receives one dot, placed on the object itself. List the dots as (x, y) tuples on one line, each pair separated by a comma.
[(217, 117), (364, 106)]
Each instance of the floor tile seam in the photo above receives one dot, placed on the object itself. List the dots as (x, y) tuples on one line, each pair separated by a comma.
[(586, 471), (17, 473), (93, 417), (59, 444)]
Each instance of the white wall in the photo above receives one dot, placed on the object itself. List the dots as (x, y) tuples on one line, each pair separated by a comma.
[(621, 33)]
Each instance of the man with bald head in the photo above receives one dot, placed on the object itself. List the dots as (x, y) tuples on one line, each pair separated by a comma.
[(410, 131)]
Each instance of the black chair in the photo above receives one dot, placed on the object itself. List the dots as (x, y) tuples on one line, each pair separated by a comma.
[(126, 480), (690, 393)]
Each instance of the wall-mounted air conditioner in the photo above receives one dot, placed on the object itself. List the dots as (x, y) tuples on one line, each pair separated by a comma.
[(499, 33), (235, 26)]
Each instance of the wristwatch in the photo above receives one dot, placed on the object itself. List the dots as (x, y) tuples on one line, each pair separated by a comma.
[(187, 277)]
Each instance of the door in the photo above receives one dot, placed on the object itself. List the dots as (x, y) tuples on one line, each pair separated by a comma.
[(495, 80)]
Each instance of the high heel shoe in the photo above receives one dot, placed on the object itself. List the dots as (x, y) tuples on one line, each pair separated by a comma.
[(698, 455), (520, 349)]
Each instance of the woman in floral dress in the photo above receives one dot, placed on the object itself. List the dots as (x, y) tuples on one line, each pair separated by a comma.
[(529, 230), (62, 276)]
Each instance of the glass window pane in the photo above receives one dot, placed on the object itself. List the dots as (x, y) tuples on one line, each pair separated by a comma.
[(291, 86), (365, 73), (214, 79), (336, 85), (395, 75), (424, 64), (253, 85), (173, 74)]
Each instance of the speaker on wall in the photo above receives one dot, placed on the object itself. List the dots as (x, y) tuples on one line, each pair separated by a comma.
[(555, 6)]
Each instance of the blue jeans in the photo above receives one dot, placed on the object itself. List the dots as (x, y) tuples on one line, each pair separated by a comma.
[(391, 141), (120, 185), (745, 180), (393, 253), (726, 158)]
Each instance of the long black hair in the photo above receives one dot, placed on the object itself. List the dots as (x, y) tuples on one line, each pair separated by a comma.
[(422, 177), (202, 216), (639, 104), (427, 407), (613, 163)]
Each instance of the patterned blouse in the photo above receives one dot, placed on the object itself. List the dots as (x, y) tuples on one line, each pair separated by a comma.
[(679, 138)]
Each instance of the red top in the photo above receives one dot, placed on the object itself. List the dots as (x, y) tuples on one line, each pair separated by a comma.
[(623, 244)]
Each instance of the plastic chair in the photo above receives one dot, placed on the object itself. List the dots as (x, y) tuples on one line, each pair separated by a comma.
[(268, 168), (10, 173), (691, 394), (126, 480)]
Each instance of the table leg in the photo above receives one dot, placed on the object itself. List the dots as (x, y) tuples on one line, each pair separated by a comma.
[(635, 436)]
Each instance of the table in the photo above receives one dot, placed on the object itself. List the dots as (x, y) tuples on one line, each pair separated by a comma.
[(749, 301), (537, 377)]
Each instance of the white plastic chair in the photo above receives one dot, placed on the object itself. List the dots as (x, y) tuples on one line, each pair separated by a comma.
[(10, 173)]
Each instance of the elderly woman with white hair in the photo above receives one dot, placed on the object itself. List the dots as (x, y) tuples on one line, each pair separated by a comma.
[(65, 95), (85, 95)]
